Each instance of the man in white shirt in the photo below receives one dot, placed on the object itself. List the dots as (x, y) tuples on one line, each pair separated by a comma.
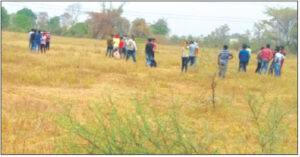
[(131, 48), (278, 57)]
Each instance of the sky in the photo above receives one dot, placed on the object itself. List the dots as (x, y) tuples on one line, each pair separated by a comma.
[(183, 18)]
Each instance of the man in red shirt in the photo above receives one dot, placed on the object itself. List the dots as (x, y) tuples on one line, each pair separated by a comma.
[(266, 55), (121, 46)]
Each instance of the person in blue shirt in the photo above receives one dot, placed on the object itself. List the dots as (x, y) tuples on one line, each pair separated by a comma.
[(192, 57), (244, 57), (37, 39)]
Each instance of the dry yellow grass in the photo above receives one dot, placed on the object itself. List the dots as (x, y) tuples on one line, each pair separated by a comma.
[(36, 88)]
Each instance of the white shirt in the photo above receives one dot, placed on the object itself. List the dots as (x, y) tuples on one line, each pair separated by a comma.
[(131, 45), (278, 57), (29, 34), (43, 40), (249, 50)]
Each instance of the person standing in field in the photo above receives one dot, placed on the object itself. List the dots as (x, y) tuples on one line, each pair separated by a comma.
[(259, 60), (131, 49), (153, 62), (116, 42), (149, 51), (249, 49), (110, 46), (283, 52), (124, 50), (192, 48), (278, 57), (196, 52), (43, 42), (244, 58), (32, 41), (121, 46), (37, 38), (271, 68), (223, 58), (48, 37), (29, 37), (185, 57), (266, 55)]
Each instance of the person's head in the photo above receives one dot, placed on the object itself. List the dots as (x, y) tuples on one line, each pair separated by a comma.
[(121, 37), (32, 29), (191, 42), (185, 43), (262, 48), (39, 31), (225, 47), (153, 39), (248, 46), (277, 49), (112, 35), (268, 45), (244, 46), (149, 39), (281, 47), (132, 37)]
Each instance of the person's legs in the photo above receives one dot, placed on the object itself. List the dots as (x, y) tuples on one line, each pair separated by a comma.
[(280, 67), (265, 68), (277, 68), (192, 60), (271, 69), (133, 56), (240, 65), (245, 66), (128, 55), (258, 67)]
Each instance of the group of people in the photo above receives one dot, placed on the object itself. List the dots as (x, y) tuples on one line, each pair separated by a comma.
[(121, 47), (190, 52), (264, 57), (39, 40)]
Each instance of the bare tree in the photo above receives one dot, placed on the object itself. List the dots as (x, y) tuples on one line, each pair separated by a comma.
[(74, 10), (42, 20)]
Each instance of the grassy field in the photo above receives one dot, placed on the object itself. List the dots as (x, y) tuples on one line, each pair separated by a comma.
[(75, 100)]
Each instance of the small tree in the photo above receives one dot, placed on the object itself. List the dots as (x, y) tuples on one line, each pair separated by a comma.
[(21, 23), (4, 18), (28, 13), (78, 30), (140, 28)]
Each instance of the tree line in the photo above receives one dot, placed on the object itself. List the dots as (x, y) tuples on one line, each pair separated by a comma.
[(280, 29)]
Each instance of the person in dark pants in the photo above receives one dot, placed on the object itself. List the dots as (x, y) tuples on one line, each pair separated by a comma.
[(244, 58), (32, 41), (149, 52), (131, 49), (259, 60), (271, 68), (48, 37), (185, 57), (110, 46)]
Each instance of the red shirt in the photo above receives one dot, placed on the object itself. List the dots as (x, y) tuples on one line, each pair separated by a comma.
[(121, 45), (266, 54)]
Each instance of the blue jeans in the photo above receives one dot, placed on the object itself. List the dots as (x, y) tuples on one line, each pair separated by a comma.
[(33, 46), (264, 66), (132, 54), (184, 66), (192, 60), (277, 69)]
